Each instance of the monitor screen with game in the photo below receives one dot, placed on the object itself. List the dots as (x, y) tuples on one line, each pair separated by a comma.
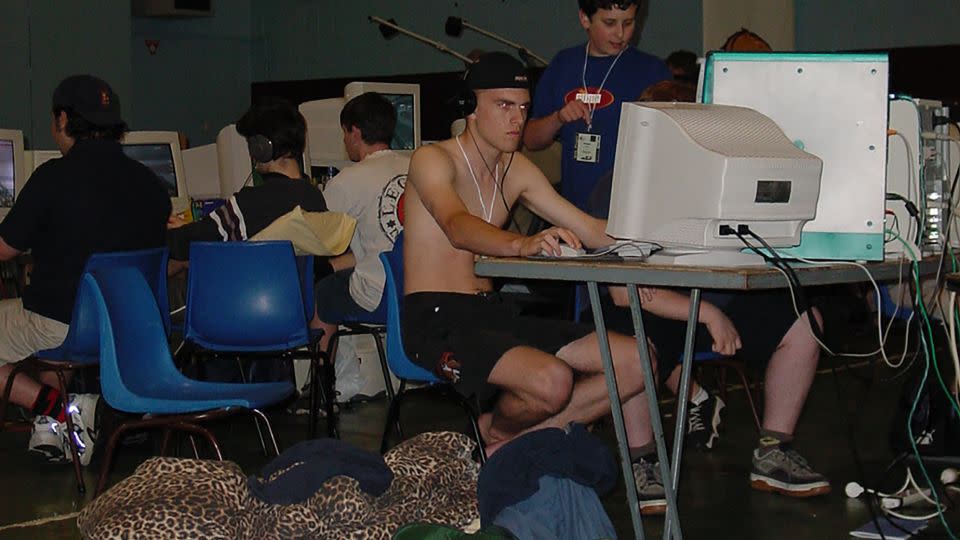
[(685, 173), (12, 169), (160, 152), (406, 102)]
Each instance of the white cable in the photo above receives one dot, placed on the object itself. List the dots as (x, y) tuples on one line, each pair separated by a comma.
[(881, 333)]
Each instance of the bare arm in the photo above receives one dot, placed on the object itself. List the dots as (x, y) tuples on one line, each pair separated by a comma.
[(543, 199), (432, 175), (7, 251), (670, 304), (540, 132), (342, 262)]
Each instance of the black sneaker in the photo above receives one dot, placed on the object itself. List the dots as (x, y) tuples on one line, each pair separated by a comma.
[(650, 493), (780, 469), (703, 421)]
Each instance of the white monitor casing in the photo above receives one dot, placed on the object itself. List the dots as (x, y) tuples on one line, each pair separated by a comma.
[(683, 170), (181, 202)]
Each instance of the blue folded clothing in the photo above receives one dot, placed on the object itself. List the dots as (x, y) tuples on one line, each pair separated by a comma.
[(307, 465), (513, 473)]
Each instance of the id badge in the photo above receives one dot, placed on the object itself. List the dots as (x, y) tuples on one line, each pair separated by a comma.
[(587, 147)]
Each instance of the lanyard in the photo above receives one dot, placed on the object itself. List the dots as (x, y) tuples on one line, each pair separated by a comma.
[(593, 106), (486, 216)]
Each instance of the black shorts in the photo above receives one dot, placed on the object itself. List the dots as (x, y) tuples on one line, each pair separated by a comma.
[(461, 337), (762, 318)]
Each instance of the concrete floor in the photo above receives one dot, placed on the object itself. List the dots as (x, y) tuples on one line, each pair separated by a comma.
[(716, 500)]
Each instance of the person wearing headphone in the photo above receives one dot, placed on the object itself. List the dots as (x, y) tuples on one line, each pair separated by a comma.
[(527, 373), (276, 135)]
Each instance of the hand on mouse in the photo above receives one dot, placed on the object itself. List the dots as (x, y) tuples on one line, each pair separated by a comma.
[(547, 242)]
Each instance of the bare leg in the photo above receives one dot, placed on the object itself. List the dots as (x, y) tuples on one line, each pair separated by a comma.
[(789, 376), (673, 383), (328, 331), (25, 389), (531, 402)]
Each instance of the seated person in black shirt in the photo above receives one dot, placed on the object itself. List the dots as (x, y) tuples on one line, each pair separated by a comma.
[(276, 134), (93, 199)]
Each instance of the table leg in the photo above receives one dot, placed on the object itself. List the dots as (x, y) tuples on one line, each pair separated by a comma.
[(682, 393), (616, 410), (650, 387)]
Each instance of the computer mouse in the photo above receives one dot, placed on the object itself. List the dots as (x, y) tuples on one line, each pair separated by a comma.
[(566, 250)]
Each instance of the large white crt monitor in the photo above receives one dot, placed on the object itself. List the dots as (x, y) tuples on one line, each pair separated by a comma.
[(160, 151), (406, 103), (12, 168), (684, 170)]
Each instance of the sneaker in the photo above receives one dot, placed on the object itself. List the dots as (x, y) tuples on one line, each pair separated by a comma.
[(703, 421), (83, 412), (46, 440), (650, 492), (780, 469)]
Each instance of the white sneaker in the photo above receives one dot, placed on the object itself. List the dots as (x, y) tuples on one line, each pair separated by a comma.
[(83, 412), (47, 440)]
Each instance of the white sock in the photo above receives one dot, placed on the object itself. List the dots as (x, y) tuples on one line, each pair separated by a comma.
[(700, 396)]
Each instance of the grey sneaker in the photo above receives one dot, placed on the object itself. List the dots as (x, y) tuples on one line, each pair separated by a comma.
[(46, 440), (83, 412), (780, 469), (703, 421), (650, 492)]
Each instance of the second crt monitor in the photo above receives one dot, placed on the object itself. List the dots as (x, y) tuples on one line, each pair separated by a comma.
[(685, 173), (160, 151), (406, 102)]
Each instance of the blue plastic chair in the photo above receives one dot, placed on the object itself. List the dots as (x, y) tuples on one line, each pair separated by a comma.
[(138, 376), (81, 347), (246, 298), (401, 365), (373, 324)]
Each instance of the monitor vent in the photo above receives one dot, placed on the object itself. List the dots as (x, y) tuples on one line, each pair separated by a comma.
[(732, 131)]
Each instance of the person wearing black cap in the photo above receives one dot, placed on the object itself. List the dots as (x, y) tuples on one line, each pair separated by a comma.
[(276, 135), (527, 373), (93, 199)]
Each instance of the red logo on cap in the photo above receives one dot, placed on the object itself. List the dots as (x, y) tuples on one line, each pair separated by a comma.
[(104, 97)]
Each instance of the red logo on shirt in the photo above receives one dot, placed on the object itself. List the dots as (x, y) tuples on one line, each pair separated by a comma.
[(606, 97)]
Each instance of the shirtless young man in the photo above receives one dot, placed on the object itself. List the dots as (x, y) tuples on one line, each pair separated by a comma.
[(536, 373)]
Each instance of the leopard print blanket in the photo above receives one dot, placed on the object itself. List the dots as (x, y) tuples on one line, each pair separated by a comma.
[(435, 481)]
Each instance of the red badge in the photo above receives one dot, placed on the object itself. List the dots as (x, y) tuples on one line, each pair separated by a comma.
[(104, 97), (606, 97)]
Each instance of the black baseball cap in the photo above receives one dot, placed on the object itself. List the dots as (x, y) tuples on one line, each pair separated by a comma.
[(496, 70), (89, 97)]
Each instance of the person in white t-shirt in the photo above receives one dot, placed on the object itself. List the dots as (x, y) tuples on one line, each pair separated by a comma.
[(370, 192)]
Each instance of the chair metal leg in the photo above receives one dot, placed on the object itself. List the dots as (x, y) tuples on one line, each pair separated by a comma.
[(748, 389), (384, 367), (108, 456), (330, 379), (193, 444), (266, 421), (314, 396), (393, 419), (165, 441), (71, 434)]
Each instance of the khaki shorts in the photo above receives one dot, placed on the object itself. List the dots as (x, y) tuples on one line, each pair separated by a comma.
[(23, 332)]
